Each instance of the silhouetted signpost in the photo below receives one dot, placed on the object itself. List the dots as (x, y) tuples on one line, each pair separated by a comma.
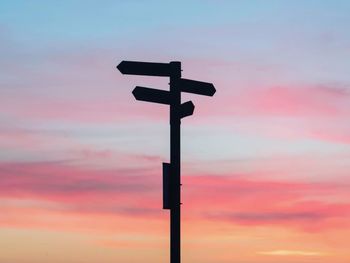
[(178, 110)]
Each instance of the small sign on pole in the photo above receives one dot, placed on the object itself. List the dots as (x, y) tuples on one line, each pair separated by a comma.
[(166, 186)]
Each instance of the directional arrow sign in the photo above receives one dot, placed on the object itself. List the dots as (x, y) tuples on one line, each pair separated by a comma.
[(186, 109), (144, 68), (197, 87), (152, 95)]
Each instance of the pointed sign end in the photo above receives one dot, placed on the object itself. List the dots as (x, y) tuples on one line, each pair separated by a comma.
[(192, 107), (186, 109), (213, 90), (119, 67), (134, 91)]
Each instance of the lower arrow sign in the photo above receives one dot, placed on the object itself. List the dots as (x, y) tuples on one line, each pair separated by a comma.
[(152, 95), (186, 109)]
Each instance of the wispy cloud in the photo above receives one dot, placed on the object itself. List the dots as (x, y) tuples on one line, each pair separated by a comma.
[(136, 192), (292, 253)]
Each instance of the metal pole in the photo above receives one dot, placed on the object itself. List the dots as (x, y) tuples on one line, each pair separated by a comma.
[(175, 182)]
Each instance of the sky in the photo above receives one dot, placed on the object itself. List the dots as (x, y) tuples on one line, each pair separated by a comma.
[(265, 161)]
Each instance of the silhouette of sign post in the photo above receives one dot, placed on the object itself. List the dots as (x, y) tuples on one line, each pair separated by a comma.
[(178, 110)]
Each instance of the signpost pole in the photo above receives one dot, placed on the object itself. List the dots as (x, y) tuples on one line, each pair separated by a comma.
[(175, 182), (172, 171)]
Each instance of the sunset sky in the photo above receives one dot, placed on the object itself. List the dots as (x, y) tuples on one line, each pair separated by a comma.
[(265, 162)]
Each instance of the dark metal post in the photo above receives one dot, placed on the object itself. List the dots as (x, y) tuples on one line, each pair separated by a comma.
[(175, 182), (172, 171)]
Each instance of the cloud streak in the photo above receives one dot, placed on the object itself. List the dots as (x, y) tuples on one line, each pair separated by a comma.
[(134, 192), (292, 253)]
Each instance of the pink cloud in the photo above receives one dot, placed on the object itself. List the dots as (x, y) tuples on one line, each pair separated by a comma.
[(316, 112), (23, 139), (301, 101), (334, 134), (106, 110), (84, 86), (288, 101), (264, 202), (137, 193)]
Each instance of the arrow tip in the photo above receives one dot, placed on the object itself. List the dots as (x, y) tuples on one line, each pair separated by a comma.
[(134, 91), (186, 109), (213, 90), (192, 105), (119, 67)]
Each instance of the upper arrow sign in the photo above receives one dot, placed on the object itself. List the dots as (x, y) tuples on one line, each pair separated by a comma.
[(197, 87), (144, 68), (152, 95)]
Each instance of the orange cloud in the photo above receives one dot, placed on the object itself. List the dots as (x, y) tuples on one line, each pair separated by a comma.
[(135, 192), (291, 253)]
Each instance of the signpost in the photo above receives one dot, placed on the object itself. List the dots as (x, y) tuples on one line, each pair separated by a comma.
[(178, 110)]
